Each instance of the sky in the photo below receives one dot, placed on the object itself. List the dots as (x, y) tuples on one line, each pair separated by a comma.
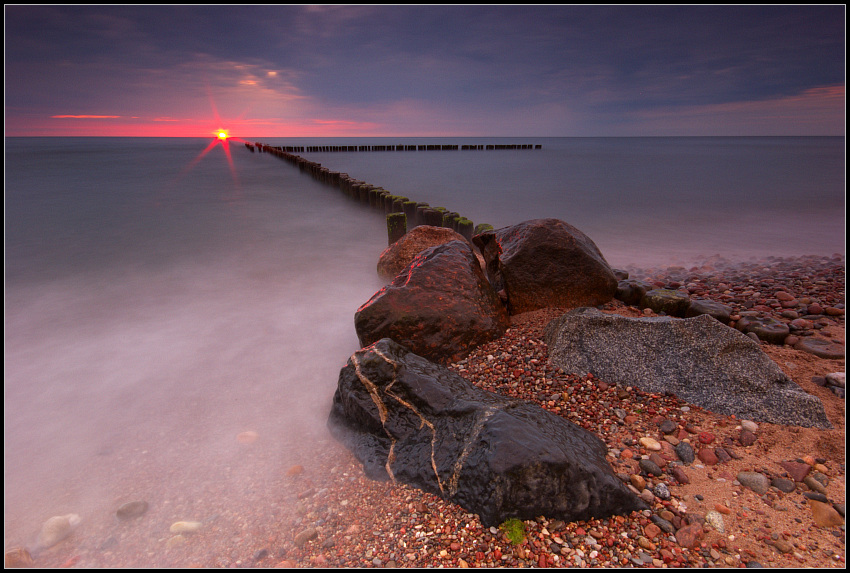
[(426, 70)]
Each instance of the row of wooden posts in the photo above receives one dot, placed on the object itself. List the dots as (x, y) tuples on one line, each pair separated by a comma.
[(440, 147), (401, 212)]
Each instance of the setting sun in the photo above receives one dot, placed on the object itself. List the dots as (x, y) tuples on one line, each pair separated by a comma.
[(222, 134)]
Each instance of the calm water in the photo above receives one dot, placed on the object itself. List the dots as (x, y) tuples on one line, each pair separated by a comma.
[(159, 300)]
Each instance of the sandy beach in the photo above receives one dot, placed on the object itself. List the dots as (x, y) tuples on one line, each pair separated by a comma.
[(319, 510)]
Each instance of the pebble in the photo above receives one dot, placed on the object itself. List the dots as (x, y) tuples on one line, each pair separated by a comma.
[(661, 491), (754, 481), (685, 452), (649, 467), (303, 537), (707, 456), (650, 443), (814, 484), (185, 526), (57, 528), (679, 475), (746, 437), (824, 515), (783, 484), (749, 426), (248, 437), (638, 481), (715, 520), (17, 558), (796, 470), (131, 509)]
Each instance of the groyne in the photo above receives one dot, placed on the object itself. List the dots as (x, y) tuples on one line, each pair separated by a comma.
[(402, 213), (402, 147)]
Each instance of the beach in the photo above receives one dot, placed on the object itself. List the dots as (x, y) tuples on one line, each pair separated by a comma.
[(319, 510)]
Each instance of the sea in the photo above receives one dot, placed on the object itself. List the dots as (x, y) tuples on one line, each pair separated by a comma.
[(164, 296)]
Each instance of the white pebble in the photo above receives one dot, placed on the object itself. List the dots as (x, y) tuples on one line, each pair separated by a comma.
[(57, 528), (185, 526)]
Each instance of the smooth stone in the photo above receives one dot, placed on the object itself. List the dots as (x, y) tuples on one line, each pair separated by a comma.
[(679, 475), (749, 426), (650, 444), (707, 456), (747, 438), (824, 515), (131, 510), (836, 379), (638, 481), (755, 481), (650, 468), (820, 348), (685, 452), (814, 484), (185, 526), (783, 485), (303, 537), (56, 529)]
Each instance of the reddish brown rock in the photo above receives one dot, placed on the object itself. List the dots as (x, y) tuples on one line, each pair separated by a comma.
[(398, 256), (707, 456), (747, 438), (440, 307), (679, 475), (798, 471), (689, 535), (546, 263), (824, 515)]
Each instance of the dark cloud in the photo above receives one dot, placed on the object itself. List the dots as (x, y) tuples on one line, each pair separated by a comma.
[(596, 65)]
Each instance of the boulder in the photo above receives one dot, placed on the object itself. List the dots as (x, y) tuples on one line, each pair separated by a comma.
[(397, 256), (440, 306), (413, 421), (546, 263), (698, 359)]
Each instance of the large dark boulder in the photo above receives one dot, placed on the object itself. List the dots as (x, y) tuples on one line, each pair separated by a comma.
[(546, 263), (698, 359), (440, 306), (413, 421)]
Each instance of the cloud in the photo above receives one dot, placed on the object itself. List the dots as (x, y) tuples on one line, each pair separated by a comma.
[(85, 116)]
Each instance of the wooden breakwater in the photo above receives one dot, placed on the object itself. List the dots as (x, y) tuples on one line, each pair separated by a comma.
[(434, 147), (402, 213)]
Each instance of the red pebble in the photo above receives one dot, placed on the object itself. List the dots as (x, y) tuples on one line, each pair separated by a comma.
[(541, 561), (706, 437)]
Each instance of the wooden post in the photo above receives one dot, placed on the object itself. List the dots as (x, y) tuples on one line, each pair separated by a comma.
[(396, 227), (464, 227), (409, 208)]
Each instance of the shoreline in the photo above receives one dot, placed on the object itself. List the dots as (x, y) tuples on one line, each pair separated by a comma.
[(321, 511)]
